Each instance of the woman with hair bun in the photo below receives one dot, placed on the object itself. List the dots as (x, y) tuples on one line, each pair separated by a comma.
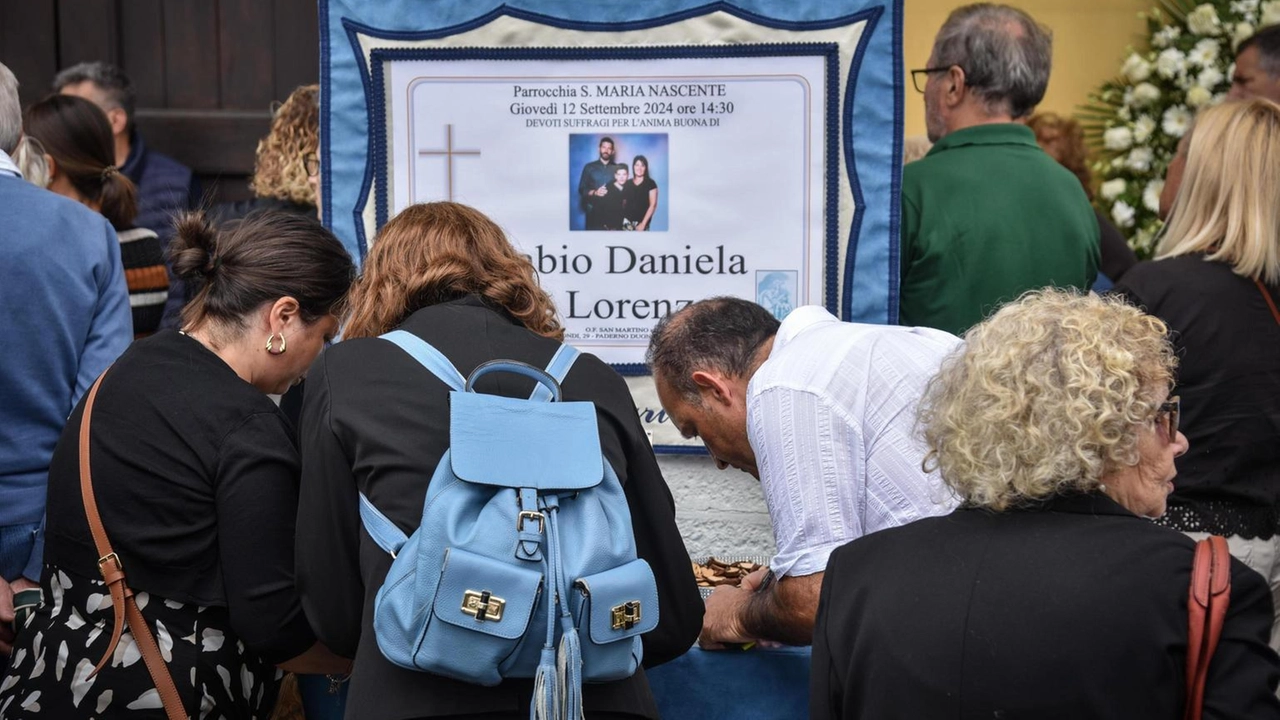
[(195, 475), (80, 156)]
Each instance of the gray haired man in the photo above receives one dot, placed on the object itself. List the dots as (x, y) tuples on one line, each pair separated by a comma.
[(1257, 72), (987, 215)]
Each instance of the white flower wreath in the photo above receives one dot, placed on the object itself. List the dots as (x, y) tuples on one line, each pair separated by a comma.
[(1134, 122)]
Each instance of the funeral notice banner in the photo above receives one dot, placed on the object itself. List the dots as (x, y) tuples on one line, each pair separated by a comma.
[(635, 188), (643, 156)]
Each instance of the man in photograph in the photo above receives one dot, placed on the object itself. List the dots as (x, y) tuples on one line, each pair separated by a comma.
[(593, 184)]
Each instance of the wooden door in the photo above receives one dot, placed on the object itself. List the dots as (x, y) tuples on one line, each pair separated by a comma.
[(206, 71)]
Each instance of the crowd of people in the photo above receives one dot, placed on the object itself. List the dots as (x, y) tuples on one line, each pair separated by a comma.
[(988, 510)]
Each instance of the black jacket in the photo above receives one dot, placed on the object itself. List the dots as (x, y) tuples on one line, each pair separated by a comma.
[(1076, 609), (376, 421)]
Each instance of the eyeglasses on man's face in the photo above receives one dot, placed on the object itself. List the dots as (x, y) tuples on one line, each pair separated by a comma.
[(312, 164), (920, 77)]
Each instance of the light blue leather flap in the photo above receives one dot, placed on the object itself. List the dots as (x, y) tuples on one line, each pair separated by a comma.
[(486, 595), (512, 442), (621, 603)]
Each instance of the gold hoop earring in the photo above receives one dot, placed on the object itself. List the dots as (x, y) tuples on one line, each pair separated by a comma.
[(271, 341)]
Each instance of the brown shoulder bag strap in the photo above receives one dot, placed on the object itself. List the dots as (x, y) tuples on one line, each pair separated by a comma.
[(123, 604), (1275, 313), (1207, 603)]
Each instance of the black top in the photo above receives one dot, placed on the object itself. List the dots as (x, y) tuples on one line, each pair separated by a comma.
[(376, 421), (196, 477), (1074, 609), (1228, 348), (637, 203), (1117, 256), (610, 210)]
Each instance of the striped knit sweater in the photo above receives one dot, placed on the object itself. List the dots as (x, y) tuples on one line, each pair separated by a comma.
[(145, 274)]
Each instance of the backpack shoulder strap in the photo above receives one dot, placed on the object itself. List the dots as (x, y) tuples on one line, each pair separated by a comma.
[(384, 532), (558, 368), (430, 358)]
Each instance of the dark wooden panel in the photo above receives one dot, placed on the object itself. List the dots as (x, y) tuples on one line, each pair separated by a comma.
[(142, 49), (245, 54), (191, 53), (87, 30), (297, 45), (210, 143), (29, 45)]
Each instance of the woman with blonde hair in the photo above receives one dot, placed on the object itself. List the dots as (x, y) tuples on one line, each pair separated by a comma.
[(374, 421), (285, 166), (1216, 282), (1046, 594)]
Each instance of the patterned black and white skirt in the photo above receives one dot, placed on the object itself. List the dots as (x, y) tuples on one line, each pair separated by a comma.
[(63, 640)]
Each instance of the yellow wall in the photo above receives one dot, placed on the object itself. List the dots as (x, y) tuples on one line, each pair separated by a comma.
[(1089, 41)]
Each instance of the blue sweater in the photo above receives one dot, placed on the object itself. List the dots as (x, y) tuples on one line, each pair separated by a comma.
[(64, 317)]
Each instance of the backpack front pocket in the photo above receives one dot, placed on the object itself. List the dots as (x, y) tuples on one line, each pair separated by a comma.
[(484, 606), (612, 610)]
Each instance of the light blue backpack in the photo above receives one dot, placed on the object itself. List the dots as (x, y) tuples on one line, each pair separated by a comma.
[(525, 544)]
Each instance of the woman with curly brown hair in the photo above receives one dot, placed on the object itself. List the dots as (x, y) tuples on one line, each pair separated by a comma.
[(376, 422), (1046, 594)]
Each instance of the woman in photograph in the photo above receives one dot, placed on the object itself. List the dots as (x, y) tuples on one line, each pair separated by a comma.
[(642, 194)]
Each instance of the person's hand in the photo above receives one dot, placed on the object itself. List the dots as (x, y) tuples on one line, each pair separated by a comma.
[(6, 617), (601, 191), (722, 620), (752, 581), (642, 225), (8, 630)]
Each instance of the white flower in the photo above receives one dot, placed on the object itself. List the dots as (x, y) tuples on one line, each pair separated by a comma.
[(1117, 138), (1205, 53), (1176, 121), (1136, 68), (1240, 7), (1143, 128), (1140, 159), (1112, 189), (1123, 214), (1166, 36), (1204, 20), (1199, 97), (1170, 63), (1144, 238), (1210, 78), (1124, 114), (1151, 196), (1145, 94), (1270, 13), (1242, 32)]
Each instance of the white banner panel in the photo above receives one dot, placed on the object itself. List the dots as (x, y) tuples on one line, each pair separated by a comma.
[(734, 148)]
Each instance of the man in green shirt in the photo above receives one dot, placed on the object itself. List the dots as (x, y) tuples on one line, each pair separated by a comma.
[(987, 215)]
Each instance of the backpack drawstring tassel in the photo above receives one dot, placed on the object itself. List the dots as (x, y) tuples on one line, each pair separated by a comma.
[(569, 674)]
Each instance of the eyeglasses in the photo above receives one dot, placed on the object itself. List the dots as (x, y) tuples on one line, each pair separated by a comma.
[(920, 77), (312, 164), (1167, 417)]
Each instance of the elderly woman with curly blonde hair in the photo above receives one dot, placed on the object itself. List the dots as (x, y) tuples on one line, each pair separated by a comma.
[(285, 168), (1047, 594)]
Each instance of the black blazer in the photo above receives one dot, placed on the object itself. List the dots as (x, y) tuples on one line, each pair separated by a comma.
[(376, 421), (1076, 609)]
